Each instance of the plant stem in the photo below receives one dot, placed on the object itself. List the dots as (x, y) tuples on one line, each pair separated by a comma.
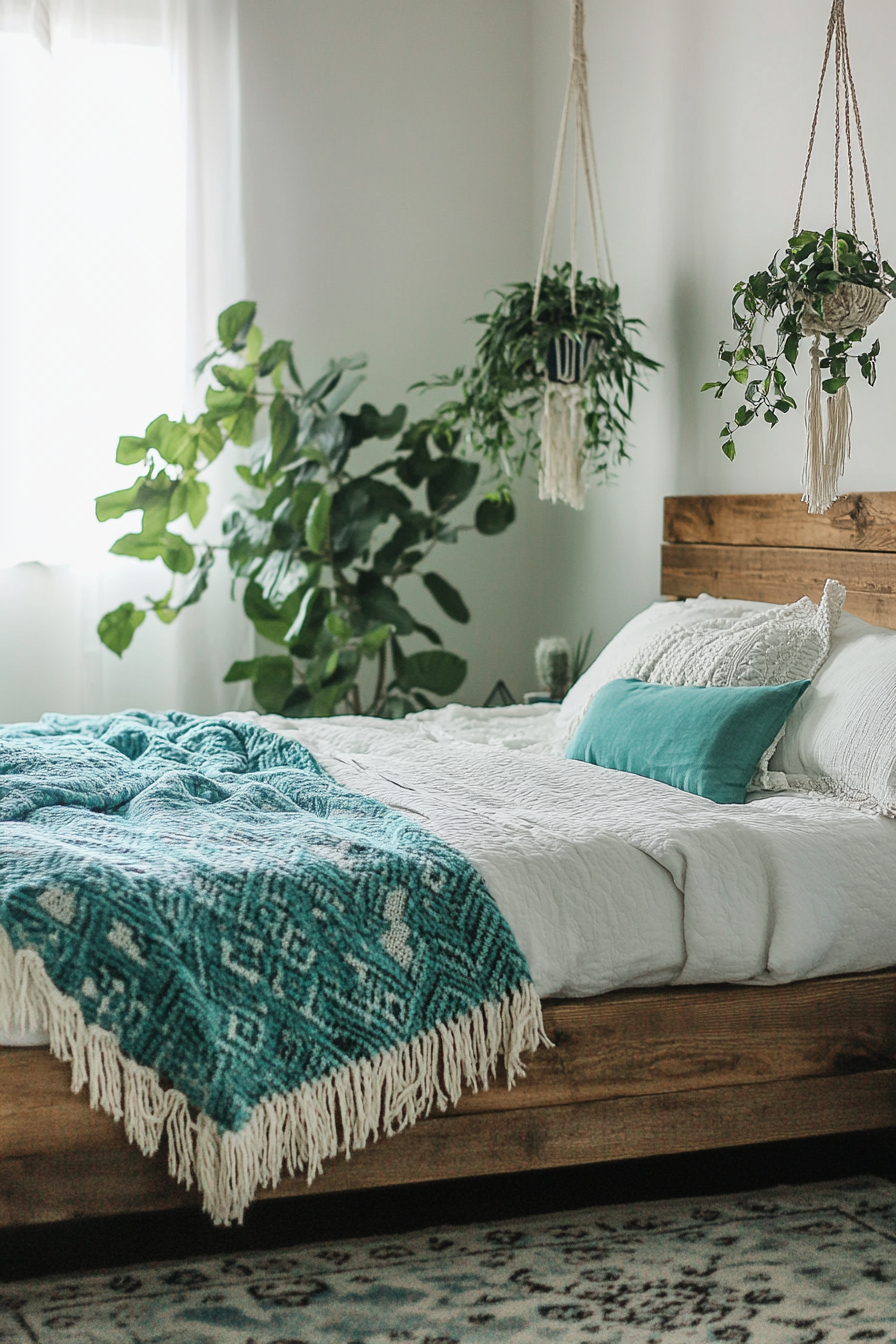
[(380, 678)]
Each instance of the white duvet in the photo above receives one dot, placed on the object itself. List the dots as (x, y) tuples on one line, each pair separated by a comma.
[(609, 880)]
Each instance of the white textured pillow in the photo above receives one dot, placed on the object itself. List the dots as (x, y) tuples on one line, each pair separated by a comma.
[(640, 631), (764, 648), (708, 641), (841, 738)]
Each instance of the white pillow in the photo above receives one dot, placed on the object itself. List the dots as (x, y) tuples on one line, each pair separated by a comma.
[(713, 642), (633, 636), (762, 648), (841, 738)]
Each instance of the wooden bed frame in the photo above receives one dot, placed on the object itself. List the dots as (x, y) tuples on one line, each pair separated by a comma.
[(635, 1073)]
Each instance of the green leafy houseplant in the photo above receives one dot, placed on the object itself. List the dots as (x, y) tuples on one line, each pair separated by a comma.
[(321, 541), (806, 296), (502, 394)]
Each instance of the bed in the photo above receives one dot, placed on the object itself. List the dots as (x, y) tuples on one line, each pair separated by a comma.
[(634, 1072)]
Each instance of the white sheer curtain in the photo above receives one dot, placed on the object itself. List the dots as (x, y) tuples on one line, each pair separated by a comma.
[(120, 240)]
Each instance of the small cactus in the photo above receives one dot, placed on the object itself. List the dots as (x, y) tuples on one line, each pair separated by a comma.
[(553, 657)]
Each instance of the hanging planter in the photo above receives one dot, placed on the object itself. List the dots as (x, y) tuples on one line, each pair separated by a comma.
[(556, 369), (825, 285), (569, 358), (556, 390)]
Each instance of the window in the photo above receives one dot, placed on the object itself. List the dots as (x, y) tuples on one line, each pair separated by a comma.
[(92, 281)]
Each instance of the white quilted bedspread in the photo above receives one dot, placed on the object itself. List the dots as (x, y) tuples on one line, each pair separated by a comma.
[(611, 881)]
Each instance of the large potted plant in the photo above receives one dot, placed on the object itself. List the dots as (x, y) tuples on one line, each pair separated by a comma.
[(554, 369), (323, 534)]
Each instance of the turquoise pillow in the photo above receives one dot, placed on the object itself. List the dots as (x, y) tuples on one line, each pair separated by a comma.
[(703, 739)]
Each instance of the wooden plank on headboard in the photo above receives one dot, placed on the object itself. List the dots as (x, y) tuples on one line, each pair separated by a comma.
[(783, 574), (864, 522), (767, 548)]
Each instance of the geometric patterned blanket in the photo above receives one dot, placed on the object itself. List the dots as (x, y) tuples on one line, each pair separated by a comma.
[(237, 952)]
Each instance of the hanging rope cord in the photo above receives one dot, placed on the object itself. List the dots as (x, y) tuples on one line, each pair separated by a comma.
[(827, 450), (583, 159), (845, 97)]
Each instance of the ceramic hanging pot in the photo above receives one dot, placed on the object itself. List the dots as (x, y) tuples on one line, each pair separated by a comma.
[(569, 358)]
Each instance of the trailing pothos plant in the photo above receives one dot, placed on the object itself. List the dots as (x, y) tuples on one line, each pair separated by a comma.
[(795, 292), (323, 536), (502, 394)]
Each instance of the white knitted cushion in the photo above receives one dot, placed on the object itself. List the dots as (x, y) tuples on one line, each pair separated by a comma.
[(763, 648), (841, 739), (708, 641), (640, 630)]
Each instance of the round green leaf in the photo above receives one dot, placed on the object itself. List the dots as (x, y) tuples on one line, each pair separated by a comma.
[(284, 428), (371, 643), (118, 502), (116, 628), (176, 553), (272, 680), (317, 524), (494, 514), (228, 376), (234, 324), (224, 401), (131, 450), (449, 482), (433, 670), (448, 598)]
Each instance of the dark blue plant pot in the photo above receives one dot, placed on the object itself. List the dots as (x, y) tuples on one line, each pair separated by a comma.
[(568, 360)]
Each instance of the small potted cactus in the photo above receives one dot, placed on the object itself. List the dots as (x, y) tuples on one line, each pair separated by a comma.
[(553, 660)]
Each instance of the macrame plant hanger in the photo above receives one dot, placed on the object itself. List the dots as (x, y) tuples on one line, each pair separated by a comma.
[(850, 306), (563, 430)]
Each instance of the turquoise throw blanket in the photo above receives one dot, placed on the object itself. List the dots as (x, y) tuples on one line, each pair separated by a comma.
[(237, 951)]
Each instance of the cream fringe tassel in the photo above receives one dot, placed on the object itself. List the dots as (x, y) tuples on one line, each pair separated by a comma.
[(562, 445), (826, 454), (298, 1131)]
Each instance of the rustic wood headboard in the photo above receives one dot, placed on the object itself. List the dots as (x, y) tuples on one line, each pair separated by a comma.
[(767, 548)]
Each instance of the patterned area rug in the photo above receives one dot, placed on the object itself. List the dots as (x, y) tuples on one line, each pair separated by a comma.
[(785, 1266)]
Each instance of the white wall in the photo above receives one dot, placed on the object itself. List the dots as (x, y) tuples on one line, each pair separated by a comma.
[(397, 157), (701, 113), (612, 547), (388, 161)]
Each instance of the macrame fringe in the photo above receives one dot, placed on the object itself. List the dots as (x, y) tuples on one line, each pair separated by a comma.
[(298, 1131), (826, 453), (563, 445)]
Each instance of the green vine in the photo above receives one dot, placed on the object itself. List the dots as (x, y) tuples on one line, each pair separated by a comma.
[(805, 275)]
